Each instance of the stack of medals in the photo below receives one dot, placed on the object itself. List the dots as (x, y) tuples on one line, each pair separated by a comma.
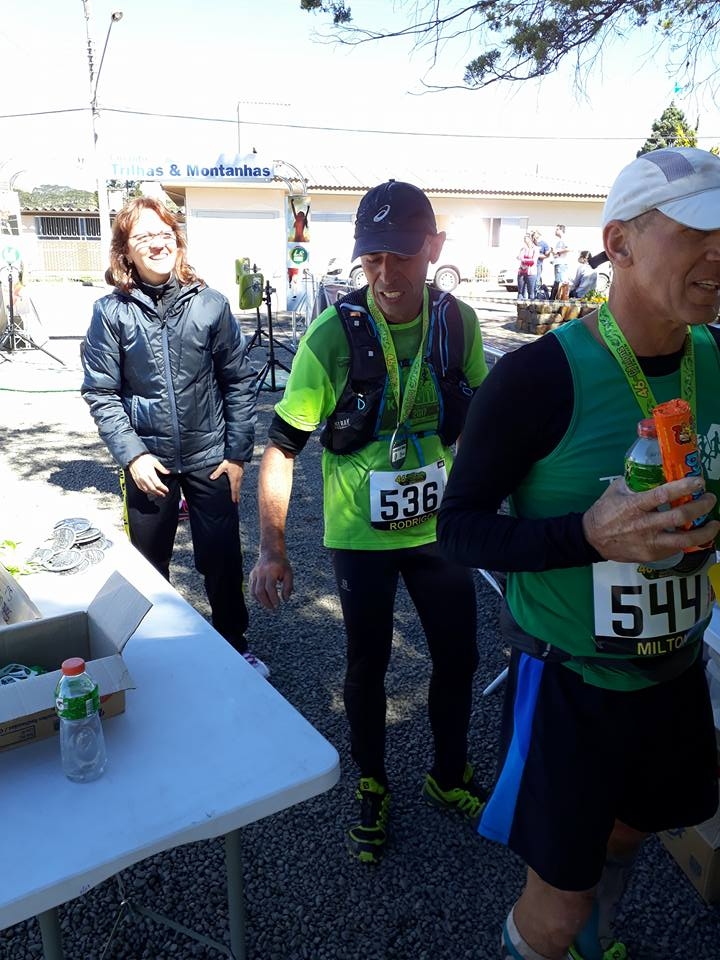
[(73, 547)]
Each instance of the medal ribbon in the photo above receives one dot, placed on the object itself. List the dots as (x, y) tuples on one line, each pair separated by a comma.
[(403, 401), (622, 351)]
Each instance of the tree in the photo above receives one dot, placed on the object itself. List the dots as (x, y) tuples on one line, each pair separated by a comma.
[(53, 195), (671, 130), (525, 39)]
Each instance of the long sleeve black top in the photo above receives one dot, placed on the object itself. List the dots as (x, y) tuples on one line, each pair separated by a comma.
[(518, 416)]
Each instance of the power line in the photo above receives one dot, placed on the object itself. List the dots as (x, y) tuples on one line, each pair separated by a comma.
[(322, 129), (43, 113)]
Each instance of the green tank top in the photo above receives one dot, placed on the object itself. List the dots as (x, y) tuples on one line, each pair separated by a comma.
[(595, 613)]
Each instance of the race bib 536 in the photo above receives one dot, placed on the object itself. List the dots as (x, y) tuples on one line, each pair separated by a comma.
[(403, 499)]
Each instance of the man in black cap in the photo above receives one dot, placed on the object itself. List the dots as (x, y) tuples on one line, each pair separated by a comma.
[(389, 371)]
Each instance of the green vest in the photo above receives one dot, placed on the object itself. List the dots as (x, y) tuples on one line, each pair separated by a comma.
[(557, 606)]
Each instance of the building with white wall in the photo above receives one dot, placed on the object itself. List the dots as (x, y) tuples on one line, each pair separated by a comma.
[(231, 213)]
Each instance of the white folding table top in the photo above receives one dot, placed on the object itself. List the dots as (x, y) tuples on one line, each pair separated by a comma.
[(205, 746)]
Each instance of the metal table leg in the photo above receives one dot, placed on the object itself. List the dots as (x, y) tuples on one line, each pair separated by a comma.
[(236, 896), (50, 924), (50, 932)]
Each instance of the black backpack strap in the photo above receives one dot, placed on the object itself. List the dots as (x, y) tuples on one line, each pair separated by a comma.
[(356, 418), (367, 360), (446, 341), (446, 359)]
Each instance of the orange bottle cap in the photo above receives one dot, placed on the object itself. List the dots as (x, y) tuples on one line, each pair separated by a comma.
[(73, 666)]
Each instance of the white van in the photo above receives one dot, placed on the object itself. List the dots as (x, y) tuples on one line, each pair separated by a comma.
[(456, 263)]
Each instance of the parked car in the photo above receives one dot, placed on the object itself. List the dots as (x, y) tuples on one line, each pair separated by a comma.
[(446, 277), (455, 264), (507, 277)]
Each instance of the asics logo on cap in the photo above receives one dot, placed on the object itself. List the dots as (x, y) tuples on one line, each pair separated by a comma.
[(382, 213)]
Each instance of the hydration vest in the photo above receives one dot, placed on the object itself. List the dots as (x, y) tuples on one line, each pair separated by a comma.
[(356, 420)]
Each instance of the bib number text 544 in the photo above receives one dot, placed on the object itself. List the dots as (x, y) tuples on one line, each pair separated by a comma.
[(667, 599)]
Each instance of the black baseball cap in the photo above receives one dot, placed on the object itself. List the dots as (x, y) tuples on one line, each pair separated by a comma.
[(394, 217)]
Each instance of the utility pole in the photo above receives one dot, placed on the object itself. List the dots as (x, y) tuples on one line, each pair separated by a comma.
[(100, 177)]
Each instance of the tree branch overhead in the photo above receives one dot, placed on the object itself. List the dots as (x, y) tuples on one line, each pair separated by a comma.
[(526, 39)]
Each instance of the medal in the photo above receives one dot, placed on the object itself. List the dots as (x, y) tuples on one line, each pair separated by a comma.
[(398, 446)]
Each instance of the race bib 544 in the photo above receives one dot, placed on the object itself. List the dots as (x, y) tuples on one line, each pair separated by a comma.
[(645, 612)]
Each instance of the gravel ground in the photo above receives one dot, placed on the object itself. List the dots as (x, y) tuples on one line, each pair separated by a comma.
[(441, 892)]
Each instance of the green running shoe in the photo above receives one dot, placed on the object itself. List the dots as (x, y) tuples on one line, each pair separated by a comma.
[(616, 951), (367, 840), (468, 800)]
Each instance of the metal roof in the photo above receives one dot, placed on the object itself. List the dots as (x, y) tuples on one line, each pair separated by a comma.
[(57, 208), (452, 181)]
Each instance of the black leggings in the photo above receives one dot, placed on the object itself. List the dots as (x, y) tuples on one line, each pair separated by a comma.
[(215, 529), (444, 597)]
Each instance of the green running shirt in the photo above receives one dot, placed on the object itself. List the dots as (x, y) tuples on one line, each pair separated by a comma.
[(318, 377), (563, 607)]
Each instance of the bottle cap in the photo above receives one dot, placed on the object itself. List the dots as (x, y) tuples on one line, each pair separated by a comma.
[(73, 666), (647, 428)]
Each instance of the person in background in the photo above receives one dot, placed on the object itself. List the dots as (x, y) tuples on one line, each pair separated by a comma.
[(585, 278), (390, 370), (561, 263), (527, 268), (542, 255), (173, 396), (608, 732)]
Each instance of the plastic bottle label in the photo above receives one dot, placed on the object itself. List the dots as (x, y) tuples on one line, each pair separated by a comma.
[(78, 708)]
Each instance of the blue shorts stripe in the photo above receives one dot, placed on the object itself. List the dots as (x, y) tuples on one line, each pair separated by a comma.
[(497, 817)]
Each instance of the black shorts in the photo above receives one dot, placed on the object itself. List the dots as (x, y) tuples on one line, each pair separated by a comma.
[(576, 757)]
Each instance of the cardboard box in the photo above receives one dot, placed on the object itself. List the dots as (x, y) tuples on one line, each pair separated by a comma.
[(697, 851), (98, 635), (15, 604)]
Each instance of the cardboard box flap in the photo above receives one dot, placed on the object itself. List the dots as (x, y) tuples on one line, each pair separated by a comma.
[(115, 614), (710, 831), (15, 605), (26, 698)]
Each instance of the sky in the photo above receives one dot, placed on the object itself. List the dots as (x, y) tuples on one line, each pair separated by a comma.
[(178, 75)]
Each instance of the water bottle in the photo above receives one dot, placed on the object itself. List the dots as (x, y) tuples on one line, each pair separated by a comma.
[(77, 703), (643, 471)]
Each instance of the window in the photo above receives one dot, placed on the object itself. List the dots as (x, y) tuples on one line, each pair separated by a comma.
[(501, 226), (67, 228), (9, 224)]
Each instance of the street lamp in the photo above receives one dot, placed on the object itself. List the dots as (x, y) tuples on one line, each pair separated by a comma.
[(103, 204)]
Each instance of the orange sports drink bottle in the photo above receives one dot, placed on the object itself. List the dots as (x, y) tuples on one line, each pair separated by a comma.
[(679, 450)]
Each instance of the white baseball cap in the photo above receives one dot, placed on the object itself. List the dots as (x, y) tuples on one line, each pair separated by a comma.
[(681, 182)]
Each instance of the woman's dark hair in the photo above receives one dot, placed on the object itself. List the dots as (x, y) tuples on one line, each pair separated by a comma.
[(121, 272)]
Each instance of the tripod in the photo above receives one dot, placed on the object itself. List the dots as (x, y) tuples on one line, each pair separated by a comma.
[(14, 334), (272, 361)]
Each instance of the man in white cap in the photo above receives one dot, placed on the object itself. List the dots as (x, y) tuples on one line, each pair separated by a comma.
[(389, 371), (608, 734)]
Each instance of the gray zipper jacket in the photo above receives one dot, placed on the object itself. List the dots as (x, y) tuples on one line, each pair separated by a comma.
[(173, 383)]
